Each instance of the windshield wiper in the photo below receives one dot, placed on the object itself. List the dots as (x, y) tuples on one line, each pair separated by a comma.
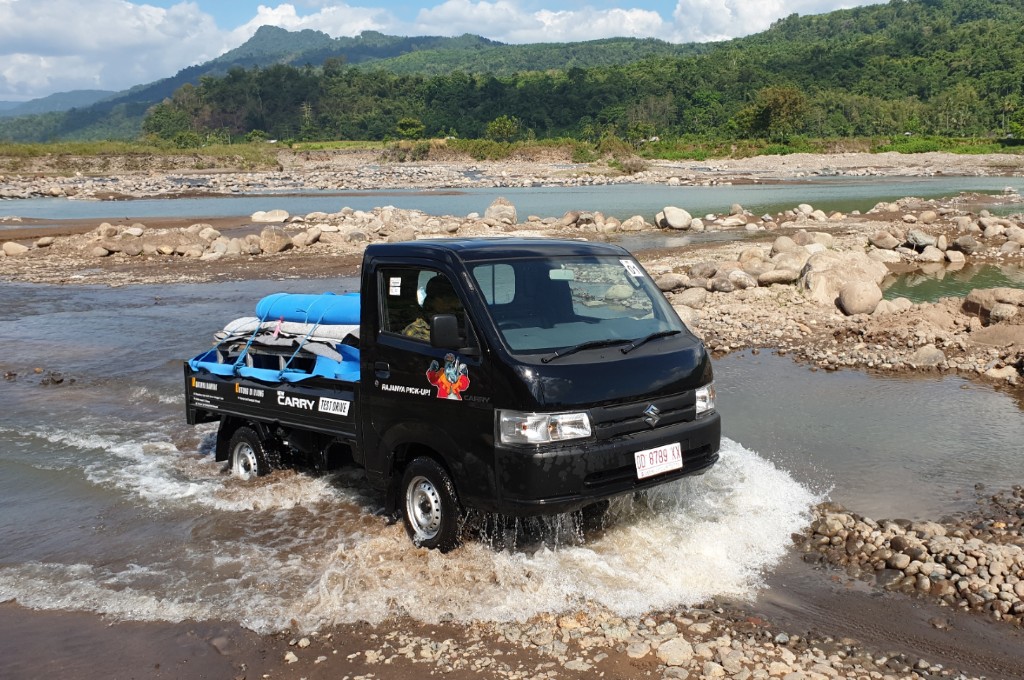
[(589, 344), (653, 336)]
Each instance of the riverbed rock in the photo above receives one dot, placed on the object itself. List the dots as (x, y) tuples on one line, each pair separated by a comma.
[(671, 281), (931, 254), (981, 302), (703, 270), (503, 211), (741, 279), (274, 240), (883, 256), (859, 297), (634, 223), (403, 234), (269, 216), (883, 240), (955, 257), (778, 275), (13, 249), (677, 218), (675, 652), (929, 355), (784, 244), (1002, 312), (967, 244), (920, 239), (826, 272), (695, 298)]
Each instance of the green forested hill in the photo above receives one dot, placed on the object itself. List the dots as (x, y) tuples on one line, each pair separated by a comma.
[(504, 60), (946, 67)]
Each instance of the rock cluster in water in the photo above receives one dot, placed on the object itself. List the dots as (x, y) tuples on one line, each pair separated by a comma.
[(975, 564)]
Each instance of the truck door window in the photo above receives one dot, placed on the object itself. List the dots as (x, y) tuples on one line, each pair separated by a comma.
[(411, 297)]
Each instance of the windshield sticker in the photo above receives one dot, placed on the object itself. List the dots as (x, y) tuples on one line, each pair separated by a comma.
[(450, 381), (632, 269), (395, 285)]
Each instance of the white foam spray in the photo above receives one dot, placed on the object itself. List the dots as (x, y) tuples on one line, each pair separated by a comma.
[(316, 551)]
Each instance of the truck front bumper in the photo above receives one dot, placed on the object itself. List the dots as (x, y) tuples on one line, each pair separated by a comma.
[(554, 479)]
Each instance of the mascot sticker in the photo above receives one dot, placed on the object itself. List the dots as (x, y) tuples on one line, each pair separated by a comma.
[(451, 380)]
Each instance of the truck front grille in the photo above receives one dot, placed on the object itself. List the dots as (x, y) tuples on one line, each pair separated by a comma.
[(625, 419)]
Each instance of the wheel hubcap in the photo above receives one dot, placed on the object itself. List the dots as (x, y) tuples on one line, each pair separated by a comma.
[(244, 461), (423, 508)]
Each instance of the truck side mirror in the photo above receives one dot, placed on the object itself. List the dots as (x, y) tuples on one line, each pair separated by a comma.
[(444, 332)]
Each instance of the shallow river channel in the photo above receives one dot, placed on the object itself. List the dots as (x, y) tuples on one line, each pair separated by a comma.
[(110, 503)]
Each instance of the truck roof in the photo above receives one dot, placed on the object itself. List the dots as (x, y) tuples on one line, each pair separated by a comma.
[(487, 248)]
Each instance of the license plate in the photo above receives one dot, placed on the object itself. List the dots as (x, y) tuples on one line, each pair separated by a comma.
[(658, 460)]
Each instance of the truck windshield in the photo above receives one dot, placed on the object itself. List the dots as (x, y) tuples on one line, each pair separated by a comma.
[(542, 305)]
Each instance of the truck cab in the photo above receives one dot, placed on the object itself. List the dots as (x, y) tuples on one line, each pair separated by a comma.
[(520, 377)]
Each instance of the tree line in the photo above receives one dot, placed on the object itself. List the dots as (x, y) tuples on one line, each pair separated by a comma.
[(953, 68)]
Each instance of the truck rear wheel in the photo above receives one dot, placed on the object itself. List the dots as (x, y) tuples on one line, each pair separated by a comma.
[(248, 454), (431, 510)]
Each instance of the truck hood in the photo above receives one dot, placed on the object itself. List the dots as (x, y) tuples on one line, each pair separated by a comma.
[(600, 376)]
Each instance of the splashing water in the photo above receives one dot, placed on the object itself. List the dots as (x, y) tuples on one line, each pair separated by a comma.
[(317, 550)]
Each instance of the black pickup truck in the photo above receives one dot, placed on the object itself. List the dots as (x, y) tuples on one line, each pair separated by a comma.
[(510, 375)]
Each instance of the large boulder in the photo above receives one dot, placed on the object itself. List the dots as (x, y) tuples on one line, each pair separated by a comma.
[(274, 240), (827, 272), (778, 275), (991, 304), (677, 218), (269, 216), (884, 240), (13, 249), (929, 355), (859, 297), (502, 210), (694, 298)]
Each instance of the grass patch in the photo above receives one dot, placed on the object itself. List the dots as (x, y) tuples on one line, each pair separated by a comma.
[(339, 145), (138, 155)]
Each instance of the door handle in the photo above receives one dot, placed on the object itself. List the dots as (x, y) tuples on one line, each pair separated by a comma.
[(382, 370)]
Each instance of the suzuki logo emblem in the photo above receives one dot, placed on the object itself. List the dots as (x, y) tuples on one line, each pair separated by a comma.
[(652, 414)]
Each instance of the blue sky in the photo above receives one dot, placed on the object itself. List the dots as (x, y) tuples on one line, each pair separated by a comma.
[(49, 46)]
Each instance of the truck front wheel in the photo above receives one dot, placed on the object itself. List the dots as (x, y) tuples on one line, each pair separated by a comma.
[(431, 511), (248, 454)]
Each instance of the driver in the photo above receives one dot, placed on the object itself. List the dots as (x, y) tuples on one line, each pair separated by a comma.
[(440, 298)]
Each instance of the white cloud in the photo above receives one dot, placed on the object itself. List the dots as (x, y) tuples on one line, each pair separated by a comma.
[(704, 20), (56, 45), (508, 22)]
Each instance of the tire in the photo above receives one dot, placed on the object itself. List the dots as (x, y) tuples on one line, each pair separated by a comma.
[(248, 454), (430, 508)]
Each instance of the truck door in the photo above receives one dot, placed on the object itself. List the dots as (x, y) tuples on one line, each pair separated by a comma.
[(423, 395)]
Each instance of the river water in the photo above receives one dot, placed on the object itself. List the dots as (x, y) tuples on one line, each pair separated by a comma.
[(110, 503), (620, 200)]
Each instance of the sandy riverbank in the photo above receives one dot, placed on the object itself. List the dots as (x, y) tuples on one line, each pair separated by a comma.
[(844, 626)]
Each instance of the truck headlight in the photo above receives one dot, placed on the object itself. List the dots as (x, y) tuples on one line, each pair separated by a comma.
[(515, 427), (705, 399)]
